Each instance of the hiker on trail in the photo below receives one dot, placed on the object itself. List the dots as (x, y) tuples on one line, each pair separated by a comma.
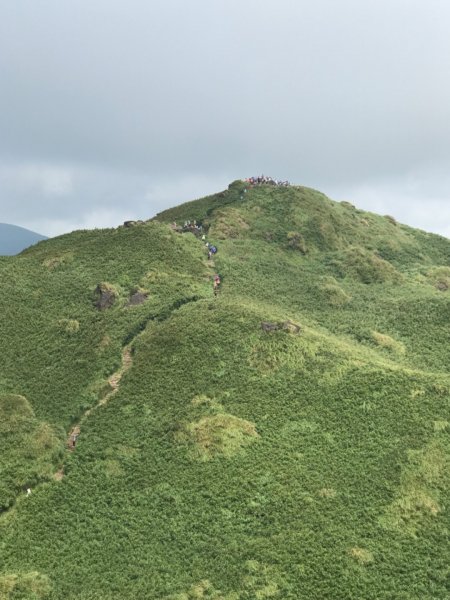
[(203, 237), (216, 284)]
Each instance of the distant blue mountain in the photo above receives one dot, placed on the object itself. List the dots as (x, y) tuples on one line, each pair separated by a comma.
[(14, 239)]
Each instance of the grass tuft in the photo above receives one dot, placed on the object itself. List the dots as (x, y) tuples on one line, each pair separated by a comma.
[(30, 449), (361, 555), (24, 586), (69, 326), (334, 294), (365, 266), (218, 435), (418, 495), (53, 262), (441, 425), (296, 241), (387, 342), (440, 278), (327, 493)]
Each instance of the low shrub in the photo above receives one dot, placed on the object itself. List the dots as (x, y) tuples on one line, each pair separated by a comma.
[(334, 294), (361, 555), (70, 326), (24, 586), (440, 278), (386, 341), (218, 435), (296, 241), (365, 266)]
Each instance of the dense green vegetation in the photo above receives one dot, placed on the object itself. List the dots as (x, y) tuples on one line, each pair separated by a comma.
[(306, 459)]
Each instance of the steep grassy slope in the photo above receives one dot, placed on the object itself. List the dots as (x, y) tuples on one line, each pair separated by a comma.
[(59, 348), (304, 459), (295, 248)]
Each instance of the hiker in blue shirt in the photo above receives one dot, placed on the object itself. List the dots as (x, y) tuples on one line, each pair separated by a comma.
[(211, 250)]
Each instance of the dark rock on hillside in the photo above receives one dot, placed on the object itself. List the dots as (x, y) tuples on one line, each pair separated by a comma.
[(137, 298), (442, 285), (132, 223), (284, 325), (105, 296)]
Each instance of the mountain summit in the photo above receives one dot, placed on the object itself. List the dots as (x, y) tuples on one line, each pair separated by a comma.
[(269, 420), (14, 239)]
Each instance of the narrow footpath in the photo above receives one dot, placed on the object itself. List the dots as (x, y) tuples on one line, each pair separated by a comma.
[(114, 384)]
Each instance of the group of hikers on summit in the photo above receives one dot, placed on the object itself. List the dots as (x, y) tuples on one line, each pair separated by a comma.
[(266, 180)]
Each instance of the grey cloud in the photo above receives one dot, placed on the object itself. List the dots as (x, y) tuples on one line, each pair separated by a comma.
[(76, 197), (119, 97)]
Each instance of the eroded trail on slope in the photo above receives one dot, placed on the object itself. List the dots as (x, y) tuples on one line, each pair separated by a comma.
[(114, 384), (116, 377)]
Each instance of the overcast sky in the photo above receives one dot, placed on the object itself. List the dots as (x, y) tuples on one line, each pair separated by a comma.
[(117, 109)]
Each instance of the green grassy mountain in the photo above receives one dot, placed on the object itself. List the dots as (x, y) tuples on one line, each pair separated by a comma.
[(14, 239), (287, 438)]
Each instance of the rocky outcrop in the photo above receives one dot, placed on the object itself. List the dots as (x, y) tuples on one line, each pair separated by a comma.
[(132, 223), (137, 298), (289, 326), (105, 296)]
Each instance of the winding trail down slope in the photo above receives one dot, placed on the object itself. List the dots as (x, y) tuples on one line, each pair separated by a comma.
[(114, 383)]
